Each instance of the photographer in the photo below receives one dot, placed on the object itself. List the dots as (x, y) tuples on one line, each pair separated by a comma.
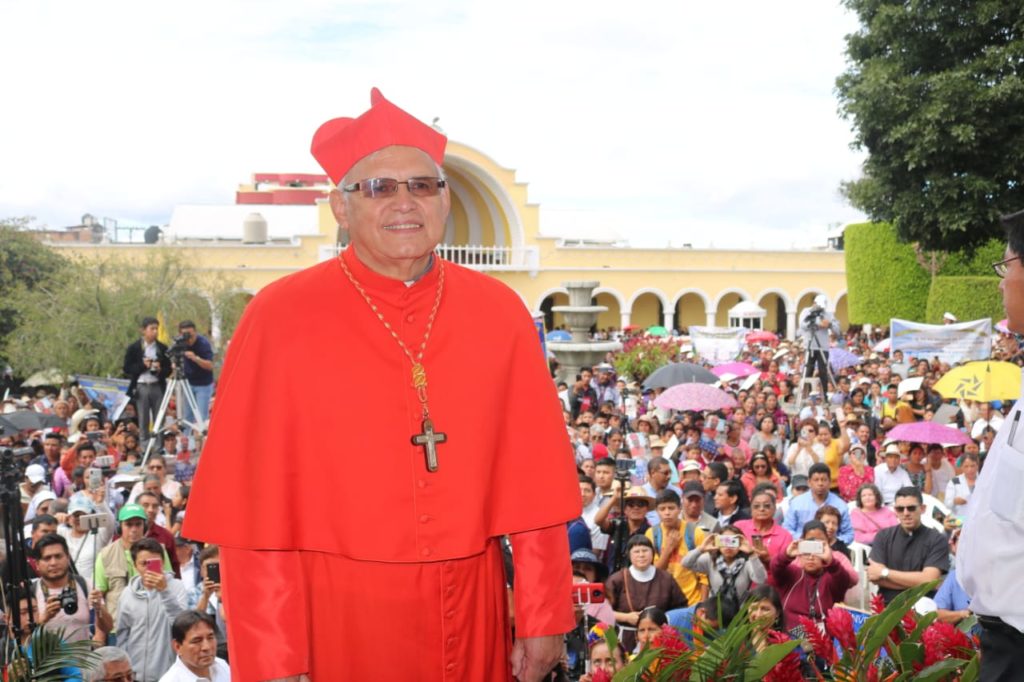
[(815, 324), (198, 368), (81, 543), (62, 598), (147, 366)]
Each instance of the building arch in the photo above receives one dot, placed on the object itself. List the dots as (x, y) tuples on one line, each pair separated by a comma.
[(780, 309), (727, 299), (658, 293), (811, 292), (690, 307), (499, 205), (842, 309), (617, 315), (550, 298)]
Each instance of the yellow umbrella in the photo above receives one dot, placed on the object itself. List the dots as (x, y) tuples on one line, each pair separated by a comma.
[(983, 380)]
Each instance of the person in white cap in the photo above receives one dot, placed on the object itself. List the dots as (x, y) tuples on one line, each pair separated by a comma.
[(816, 322), (35, 480), (949, 318)]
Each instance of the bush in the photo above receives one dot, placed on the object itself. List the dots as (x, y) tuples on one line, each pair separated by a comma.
[(969, 298), (883, 277)]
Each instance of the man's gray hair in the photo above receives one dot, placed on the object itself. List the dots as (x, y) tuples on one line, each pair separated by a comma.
[(107, 654)]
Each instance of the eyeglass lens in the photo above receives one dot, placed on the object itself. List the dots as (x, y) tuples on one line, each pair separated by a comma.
[(383, 187), (908, 508)]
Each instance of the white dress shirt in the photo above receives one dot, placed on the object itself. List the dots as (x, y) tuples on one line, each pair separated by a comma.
[(219, 672), (990, 557), (890, 481)]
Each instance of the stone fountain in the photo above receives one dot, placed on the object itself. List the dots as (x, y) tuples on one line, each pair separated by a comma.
[(579, 316)]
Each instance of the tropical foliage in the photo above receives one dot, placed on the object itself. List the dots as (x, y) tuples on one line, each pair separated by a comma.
[(641, 355)]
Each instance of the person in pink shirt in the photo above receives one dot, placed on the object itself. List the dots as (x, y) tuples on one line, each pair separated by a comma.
[(869, 515), (766, 537)]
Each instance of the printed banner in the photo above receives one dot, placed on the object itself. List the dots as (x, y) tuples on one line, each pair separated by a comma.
[(113, 393), (718, 344), (951, 343)]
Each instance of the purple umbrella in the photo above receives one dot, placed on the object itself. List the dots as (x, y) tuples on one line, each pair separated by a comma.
[(736, 369), (928, 432), (840, 358), (694, 397)]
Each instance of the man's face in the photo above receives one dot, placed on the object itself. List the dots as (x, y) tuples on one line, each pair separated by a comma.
[(156, 467), (583, 433), (636, 509), (51, 448), (150, 504), (603, 475), (149, 332), (660, 477), (668, 512), (709, 480), (723, 501), (892, 460), (152, 487), (53, 562), (586, 376), (199, 647), (86, 458), (693, 506), (189, 333), (586, 493), (43, 529), (909, 511), (614, 442), (863, 433), (393, 231), (587, 466), (819, 484), (132, 530), (1012, 289)]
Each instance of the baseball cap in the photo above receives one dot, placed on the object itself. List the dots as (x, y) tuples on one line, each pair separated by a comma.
[(693, 489), (799, 481), (689, 465), (35, 473), (81, 503), (132, 511)]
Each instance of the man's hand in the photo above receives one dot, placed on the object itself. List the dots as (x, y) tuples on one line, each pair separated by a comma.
[(671, 542), (209, 587), (534, 657), (875, 571), (154, 581), (51, 610)]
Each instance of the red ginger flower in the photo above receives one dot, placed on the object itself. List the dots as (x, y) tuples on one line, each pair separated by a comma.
[(877, 604), (821, 644), (601, 676), (942, 641), (672, 645), (839, 624), (788, 669)]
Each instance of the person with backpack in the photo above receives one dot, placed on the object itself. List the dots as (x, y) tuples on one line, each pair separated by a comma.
[(728, 560), (670, 536)]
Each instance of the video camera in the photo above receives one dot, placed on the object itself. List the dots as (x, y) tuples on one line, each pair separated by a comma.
[(814, 315), (177, 349)]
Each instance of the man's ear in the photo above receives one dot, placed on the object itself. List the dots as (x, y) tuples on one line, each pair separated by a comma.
[(338, 208)]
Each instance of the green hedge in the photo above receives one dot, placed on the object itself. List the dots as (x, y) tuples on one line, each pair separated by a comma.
[(977, 264), (883, 277), (969, 298)]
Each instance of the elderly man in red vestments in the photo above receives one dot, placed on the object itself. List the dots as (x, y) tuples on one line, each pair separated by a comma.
[(387, 359)]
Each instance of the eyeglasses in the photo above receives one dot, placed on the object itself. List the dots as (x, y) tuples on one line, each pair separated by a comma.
[(909, 508), (635, 503), (1003, 266), (374, 188), (762, 505)]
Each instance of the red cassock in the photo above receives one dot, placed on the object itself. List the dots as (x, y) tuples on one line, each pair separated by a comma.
[(341, 554)]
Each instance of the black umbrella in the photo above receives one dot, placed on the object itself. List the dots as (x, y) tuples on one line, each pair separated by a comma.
[(29, 420), (675, 373), (7, 428)]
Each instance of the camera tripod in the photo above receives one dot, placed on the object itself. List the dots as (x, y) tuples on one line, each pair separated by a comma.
[(817, 355), (17, 579), (179, 387)]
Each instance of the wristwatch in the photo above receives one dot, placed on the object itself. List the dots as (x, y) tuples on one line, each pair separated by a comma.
[(885, 573)]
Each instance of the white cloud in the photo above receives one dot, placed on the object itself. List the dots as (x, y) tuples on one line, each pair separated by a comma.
[(654, 117)]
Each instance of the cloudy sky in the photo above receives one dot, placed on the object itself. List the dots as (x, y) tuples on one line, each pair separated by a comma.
[(662, 121)]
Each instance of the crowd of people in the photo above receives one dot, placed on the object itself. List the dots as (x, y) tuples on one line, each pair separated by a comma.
[(790, 502), (793, 503), (103, 502)]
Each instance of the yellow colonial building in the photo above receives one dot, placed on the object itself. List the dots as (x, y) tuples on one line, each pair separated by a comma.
[(281, 223)]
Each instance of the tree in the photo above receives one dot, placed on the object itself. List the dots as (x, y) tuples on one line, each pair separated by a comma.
[(25, 262), (81, 320), (936, 96)]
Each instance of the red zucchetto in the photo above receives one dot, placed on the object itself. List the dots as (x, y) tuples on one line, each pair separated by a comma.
[(341, 142)]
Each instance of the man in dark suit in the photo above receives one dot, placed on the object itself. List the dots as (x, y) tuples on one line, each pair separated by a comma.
[(147, 365)]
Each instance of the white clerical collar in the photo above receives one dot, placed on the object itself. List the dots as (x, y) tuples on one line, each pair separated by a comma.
[(644, 576)]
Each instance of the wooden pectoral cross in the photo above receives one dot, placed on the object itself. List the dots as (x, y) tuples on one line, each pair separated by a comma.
[(429, 440)]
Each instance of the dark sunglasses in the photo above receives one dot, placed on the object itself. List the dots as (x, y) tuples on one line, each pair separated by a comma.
[(909, 508)]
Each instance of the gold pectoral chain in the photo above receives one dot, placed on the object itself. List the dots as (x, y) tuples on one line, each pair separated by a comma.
[(429, 438)]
